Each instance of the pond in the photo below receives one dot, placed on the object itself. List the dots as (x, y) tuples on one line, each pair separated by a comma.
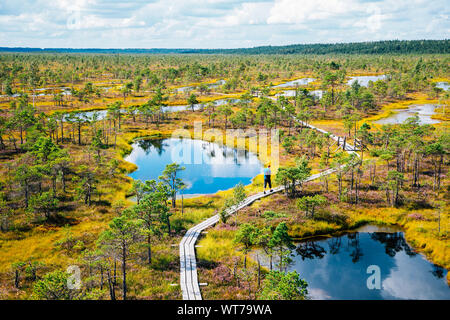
[(209, 85), (443, 85), (317, 93), (106, 88), (209, 166), (217, 84), (294, 83), (14, 95), (291, 93), (101, 114), (181, 108), (424, 112), (336, 268), (184, 89), (220, 102), (41, 92), (364, 80)]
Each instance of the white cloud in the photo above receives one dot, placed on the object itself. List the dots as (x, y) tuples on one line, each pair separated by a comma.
[(439, 22), (397, 284), (250, 13), (293, 11), (216, 23), (373, 22)]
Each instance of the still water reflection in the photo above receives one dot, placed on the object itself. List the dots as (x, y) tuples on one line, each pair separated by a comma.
[(423, 112), (364, 80), (209, 166), (294, 83), (336, 268)]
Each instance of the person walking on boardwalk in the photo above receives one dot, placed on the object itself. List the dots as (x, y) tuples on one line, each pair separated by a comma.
[(267, 178)]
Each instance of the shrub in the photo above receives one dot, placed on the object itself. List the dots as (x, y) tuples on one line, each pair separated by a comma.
[(283, 286), (53, 286), (222, 274), (269, 215), (416, 216)]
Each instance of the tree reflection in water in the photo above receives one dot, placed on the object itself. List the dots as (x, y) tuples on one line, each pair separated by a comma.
[(334, 245), (353, 242), (336, 267), (310, 250), (437, 271), (393, 243), (210, 167), (147, 145)]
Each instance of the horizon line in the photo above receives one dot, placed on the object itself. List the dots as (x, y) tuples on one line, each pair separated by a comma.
[(228, 48)]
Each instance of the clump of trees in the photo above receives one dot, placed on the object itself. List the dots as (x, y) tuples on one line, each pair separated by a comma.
[(283, 286), (309, 203), (274, 241), (293, 177)]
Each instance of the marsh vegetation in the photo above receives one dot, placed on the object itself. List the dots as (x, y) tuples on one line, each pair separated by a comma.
[(69, 123)]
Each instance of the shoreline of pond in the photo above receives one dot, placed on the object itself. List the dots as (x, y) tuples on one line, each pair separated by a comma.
[(192, 147), (365, 228)]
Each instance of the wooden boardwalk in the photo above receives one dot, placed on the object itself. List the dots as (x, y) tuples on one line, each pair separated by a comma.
[(188, 264)]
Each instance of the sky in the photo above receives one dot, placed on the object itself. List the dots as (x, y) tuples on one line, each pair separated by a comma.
[(216, 23)]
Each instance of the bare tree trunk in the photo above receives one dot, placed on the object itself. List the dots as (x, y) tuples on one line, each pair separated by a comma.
[(439, 172), (101, 277), (79, 134), (62, 131), (16, 279), (124, 273), (111, 284), (149, 250)]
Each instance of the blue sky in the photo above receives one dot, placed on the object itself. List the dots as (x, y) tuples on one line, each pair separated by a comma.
[(216, 23)]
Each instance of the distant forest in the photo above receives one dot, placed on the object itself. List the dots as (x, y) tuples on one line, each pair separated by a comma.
[(377, 47)]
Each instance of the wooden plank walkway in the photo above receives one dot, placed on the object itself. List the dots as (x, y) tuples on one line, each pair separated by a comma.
[(188, 265)]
